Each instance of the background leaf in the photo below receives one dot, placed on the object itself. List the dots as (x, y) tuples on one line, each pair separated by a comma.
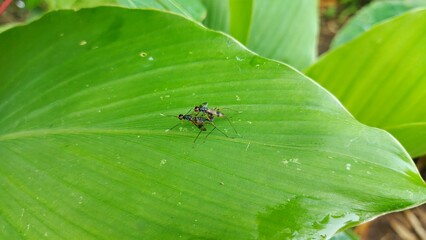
[(85, 154), (283, 30), (192, 9), (374, 13), (217, 15), (380, 77), (286, 31), (240, 19), (69, 4)]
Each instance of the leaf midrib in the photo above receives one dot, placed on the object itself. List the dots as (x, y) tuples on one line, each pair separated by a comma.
[(84, 131)]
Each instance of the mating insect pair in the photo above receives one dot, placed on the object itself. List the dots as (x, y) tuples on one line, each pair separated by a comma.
[(203, 116)]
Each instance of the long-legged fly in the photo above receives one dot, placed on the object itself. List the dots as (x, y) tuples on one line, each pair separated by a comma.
[(200, 122), (211, 113)]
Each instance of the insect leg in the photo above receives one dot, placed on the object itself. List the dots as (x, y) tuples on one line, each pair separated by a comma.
[(188, 111), (197, 135), (209, 133), (173, 127), (214, 125), (232, 125)]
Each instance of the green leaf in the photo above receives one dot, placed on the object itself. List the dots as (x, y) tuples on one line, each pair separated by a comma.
[(217, 15), (380, 77), (85, 153), (346, 235), (283, 30), (374, 13), (31, 4), (240, 19), (76, 4), (411, 136), (192, 9)]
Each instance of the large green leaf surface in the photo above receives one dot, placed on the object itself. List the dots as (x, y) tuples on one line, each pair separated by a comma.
[(85, 151), (373, 13), (381, 78), (284, 30)]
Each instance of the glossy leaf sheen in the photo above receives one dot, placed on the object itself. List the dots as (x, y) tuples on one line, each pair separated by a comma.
[(374, 13), (381, 78), (85, 154)]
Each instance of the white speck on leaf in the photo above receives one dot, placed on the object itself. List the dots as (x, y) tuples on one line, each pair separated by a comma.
[(291, 160), (237, 98), (348, 166), (82, 43), (162, 162), (150, 58), (248, 145), (294, 160)]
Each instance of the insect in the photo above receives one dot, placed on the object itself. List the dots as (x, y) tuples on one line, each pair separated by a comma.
[(212, 113), (200, 122)]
